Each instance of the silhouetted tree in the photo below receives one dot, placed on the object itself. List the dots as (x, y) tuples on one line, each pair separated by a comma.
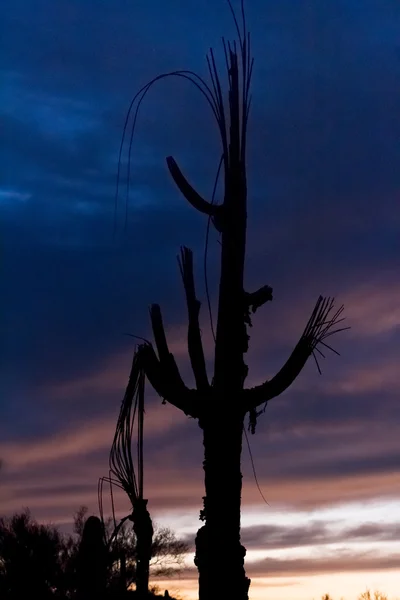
[(40, 562), (92, 561), (29, 558), (80, 518), (167, 555), (220, 406), (167, 552)]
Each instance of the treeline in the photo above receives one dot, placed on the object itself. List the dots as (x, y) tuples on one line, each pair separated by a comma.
[(40, 561), (367, 595)]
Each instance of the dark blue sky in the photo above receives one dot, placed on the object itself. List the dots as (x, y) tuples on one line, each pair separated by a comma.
[(324, 217)]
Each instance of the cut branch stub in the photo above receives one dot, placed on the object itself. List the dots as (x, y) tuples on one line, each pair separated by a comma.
[(189, 192), (319, 327), (195, 345), (255, 300)]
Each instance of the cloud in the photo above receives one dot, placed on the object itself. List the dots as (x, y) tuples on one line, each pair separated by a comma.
[(370, 379), (83, 440), (73, 443), (12, 196), (316, 533), (347, 562), (374, 306), (346, 468)]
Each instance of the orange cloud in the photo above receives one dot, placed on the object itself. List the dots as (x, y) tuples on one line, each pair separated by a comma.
[(373, 308), (372, 378), (83, 439)]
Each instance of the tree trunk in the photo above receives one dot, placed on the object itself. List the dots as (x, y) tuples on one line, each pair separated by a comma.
[(219, 553), (143, 528)]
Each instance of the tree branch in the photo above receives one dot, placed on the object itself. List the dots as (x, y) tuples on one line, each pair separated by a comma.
[(195, 345), (180, 396), (163, 372), (319, 327), (212, 210)]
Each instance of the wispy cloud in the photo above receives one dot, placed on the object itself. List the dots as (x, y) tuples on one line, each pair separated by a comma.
[(13, 197)]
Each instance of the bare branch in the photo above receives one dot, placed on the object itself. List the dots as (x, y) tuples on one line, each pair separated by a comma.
[(195, 345), (320, 326)]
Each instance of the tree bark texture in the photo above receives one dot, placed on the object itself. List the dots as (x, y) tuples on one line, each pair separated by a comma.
[(219, 553)]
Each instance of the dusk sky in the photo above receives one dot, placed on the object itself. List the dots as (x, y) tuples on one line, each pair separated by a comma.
[(324, 218)]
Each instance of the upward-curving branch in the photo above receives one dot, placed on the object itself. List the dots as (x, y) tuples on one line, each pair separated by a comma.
[(189, 192), (195, 345), (320, 326), (163, 372)]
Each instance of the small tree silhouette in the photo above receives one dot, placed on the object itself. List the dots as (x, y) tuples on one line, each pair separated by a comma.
[(92, 561), (29, 558), (368, 596), (220, 406)]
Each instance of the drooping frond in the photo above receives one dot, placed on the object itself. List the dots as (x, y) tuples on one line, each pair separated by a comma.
[(121, 461), (233, 140), (138, 98), (205, 264), (100, 495), (124, 472)]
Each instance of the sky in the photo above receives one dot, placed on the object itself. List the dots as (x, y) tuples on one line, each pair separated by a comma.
[(324, 218)]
